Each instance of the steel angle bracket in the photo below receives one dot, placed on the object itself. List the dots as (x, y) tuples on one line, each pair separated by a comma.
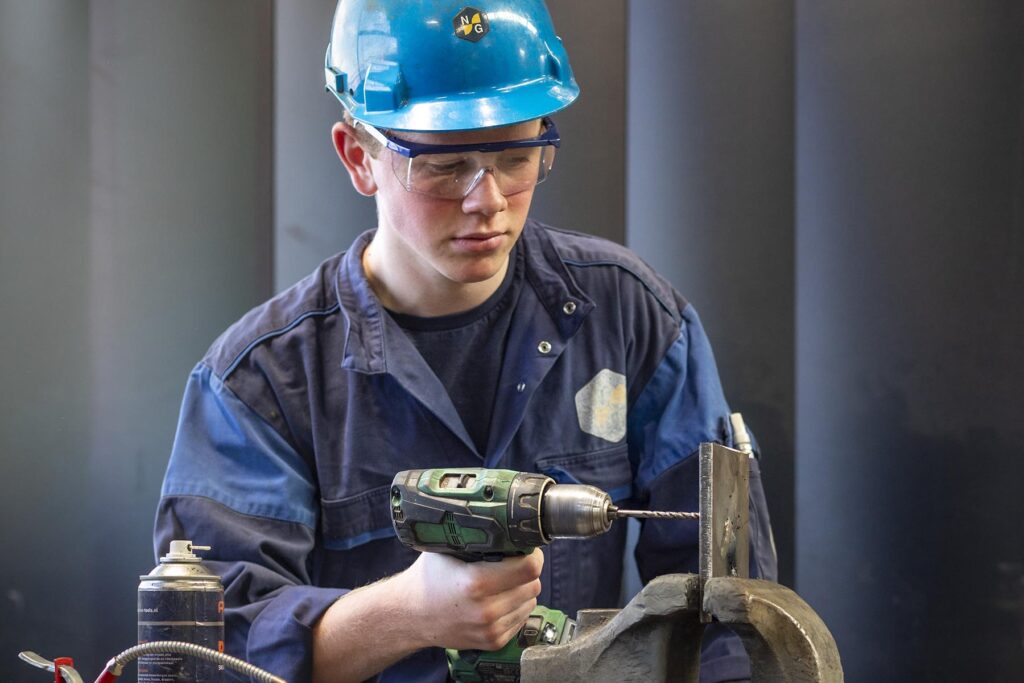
[(724, 515)]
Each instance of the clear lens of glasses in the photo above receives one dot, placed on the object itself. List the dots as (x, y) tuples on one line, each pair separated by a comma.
[(453, 176)]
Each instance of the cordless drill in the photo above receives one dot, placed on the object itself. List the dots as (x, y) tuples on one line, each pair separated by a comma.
[(486, 514)]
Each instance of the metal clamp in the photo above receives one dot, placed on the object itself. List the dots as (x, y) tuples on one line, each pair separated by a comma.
[(64, 664)]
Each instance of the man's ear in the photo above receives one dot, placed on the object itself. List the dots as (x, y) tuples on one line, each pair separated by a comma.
[(355, 158)]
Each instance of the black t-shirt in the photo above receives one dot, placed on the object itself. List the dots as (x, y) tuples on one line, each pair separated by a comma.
[(465, 350)]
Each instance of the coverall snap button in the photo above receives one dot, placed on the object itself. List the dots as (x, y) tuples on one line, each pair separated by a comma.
[(569, 308), (544, 347), (521, 387)]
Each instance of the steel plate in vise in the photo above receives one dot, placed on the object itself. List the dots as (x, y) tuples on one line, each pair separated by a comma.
[(724, 514)]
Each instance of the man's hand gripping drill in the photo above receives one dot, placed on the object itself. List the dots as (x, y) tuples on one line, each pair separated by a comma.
[(474, 606)]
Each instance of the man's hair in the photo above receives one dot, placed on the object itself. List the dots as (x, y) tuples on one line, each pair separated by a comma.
[(368, 142)]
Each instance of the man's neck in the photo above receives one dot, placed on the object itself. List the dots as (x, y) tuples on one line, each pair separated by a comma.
[(425, 295)]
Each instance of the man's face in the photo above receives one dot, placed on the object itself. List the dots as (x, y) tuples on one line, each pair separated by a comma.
[(460, 240)]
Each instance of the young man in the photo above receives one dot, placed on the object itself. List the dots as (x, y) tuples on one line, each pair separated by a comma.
[(458, 333)]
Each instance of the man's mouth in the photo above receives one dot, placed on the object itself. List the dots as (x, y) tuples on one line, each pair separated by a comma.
[(479, 241), (480, 236)]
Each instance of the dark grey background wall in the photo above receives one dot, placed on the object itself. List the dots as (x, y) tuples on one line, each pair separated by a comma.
[(837, 186), (910, 312), (134, 225), (45, 272), (710, 189)]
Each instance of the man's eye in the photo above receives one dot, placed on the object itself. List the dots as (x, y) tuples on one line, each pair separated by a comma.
[(443, 168), (518, 161)]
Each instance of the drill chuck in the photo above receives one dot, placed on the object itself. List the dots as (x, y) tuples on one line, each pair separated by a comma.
[(575, 511)]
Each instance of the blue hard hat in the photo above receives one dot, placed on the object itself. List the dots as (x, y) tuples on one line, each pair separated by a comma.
[(437, 65)]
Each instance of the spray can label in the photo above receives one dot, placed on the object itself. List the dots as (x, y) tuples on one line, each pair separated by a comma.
[(181, 601)]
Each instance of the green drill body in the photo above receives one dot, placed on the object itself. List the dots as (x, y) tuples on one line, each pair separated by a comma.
[(472, 513)]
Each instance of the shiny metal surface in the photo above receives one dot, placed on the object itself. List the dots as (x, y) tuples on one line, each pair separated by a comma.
[(724, 507), (250, 671), (656, 514), (180, 564), (724, 511), (575, 511)]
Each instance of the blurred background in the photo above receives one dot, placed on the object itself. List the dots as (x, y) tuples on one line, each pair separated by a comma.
[(838, 187)]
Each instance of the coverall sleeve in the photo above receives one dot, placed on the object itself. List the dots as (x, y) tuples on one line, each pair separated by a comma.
[(235, 484), (682, 406)]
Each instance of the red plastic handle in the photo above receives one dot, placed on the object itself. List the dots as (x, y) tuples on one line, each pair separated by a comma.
[(107, 676), (58, 662)]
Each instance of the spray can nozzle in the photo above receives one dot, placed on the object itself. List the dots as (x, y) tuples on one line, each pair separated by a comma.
[(181, 551)]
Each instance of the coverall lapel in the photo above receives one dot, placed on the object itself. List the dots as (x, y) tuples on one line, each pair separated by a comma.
[(550, 310), (374, 344)]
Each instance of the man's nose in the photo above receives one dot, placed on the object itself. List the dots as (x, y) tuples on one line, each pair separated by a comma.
[(484, 196)]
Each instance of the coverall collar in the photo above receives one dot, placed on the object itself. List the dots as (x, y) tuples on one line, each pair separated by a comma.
[(373, 338)]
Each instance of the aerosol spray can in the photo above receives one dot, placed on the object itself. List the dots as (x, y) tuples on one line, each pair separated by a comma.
[(181, 600)]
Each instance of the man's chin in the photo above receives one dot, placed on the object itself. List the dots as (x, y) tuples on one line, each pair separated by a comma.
[(481, 271), (473, 278)]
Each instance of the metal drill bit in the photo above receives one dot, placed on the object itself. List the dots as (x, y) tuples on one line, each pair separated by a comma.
[(652, 514)]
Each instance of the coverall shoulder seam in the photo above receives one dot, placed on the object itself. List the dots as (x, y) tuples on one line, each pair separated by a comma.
[(582, 250), (266, 336), (670, 310)]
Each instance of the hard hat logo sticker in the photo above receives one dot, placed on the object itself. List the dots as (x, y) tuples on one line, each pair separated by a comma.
[(471, 24)]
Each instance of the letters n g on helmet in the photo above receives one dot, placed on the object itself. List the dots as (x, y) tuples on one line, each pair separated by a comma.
[(435, 65)]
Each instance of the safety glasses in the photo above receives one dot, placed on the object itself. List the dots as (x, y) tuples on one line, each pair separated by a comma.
[(452, 171)]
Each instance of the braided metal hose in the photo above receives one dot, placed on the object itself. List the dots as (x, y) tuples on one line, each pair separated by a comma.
[(117, 664)]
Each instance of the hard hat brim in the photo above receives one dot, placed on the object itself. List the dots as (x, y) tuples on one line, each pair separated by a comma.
[(472, 111)]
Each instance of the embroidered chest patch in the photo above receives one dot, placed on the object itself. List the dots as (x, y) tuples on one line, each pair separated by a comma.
[(601, 406)]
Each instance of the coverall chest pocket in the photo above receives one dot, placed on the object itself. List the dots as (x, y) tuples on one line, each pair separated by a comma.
[(587, 573), (359, 539)]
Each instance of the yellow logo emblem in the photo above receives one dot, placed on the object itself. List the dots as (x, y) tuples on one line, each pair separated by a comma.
[(471, 24)]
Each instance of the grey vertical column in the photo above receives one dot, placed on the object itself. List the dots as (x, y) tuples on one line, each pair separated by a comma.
[(317, 213), (179, 249), (910, 236), (586, 190), (45, 407), (710, 199), (134, 225)]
